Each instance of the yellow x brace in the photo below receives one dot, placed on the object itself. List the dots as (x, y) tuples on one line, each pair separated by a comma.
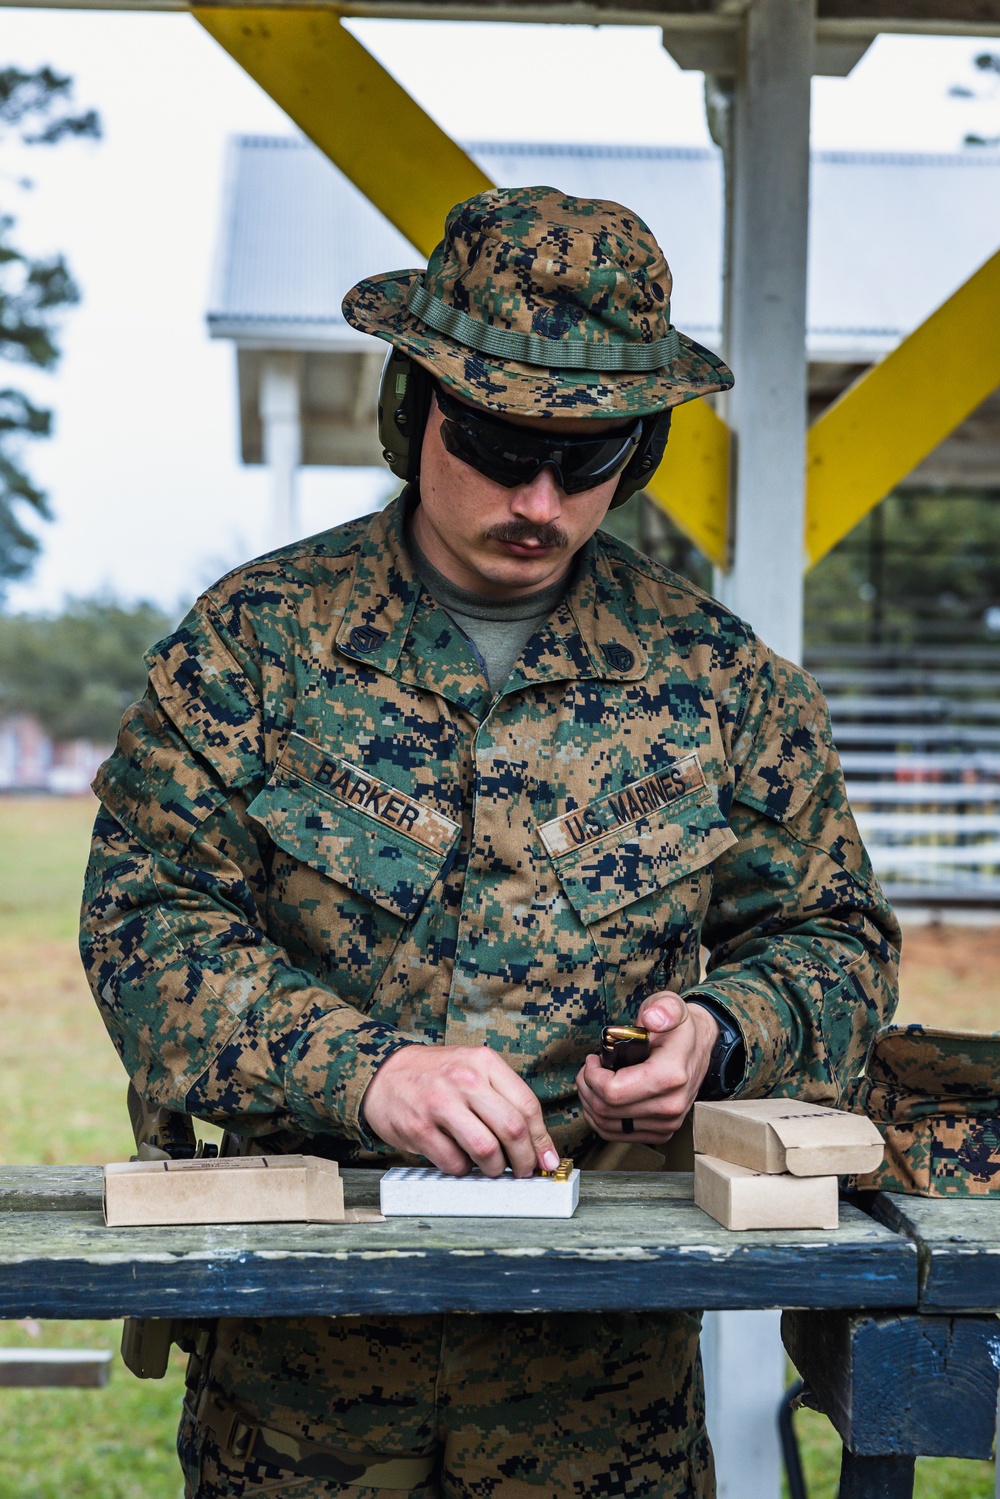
[(857, 451)]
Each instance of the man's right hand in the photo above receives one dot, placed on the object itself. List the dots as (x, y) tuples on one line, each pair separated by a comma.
[(460, 1106)]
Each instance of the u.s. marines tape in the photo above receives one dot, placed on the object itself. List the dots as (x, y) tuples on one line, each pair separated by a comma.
[(620, 809)]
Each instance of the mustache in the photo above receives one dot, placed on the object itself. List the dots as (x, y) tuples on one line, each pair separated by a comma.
[(520, 532)]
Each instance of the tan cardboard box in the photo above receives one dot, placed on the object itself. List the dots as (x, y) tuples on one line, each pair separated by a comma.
[(782, 1134), (238, 1189), (738, 1198)]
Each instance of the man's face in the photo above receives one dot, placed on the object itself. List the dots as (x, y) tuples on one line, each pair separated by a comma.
[(504, 542)]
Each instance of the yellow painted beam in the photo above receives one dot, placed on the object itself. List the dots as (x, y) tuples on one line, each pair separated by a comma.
[(898, 411), (354, 111), (405, 164), (692, 483)]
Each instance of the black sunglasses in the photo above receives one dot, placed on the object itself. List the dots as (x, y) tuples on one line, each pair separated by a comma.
[(511, 455)]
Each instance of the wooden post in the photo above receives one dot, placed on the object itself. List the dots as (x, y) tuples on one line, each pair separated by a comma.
[(876, 1477), (744, 1379), (763, 123), (764, 127), (767, 168), (281, 421)]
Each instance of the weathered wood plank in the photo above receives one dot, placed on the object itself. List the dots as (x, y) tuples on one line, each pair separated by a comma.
[(933, 17), (27, 1189), (958, 1239), (903, 1385), (635, 1242), (39, 1189), (67, 1189), (50, 1368)]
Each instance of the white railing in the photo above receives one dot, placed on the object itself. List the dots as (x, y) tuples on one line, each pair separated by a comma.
[(919, 738)]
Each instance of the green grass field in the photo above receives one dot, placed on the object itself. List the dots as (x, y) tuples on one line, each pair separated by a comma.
[(64, 1101)]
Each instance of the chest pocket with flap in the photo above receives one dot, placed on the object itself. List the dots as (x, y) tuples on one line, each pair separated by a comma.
[(355, 860), (630, 845)]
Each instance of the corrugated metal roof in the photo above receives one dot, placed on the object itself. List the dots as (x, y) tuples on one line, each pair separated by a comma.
[(891, 235), (295, 236)]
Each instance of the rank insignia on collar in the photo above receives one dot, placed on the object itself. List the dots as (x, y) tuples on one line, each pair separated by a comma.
[(618, 657), (366, 638)]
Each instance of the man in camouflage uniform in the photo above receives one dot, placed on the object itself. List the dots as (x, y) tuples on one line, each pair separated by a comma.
[(414, 807)]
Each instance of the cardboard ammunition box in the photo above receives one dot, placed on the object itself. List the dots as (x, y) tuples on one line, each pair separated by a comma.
[(781, 1134), (238, 1189), (738, 1198)]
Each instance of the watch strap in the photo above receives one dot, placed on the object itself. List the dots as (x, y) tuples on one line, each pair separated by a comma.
[(728, 1060)]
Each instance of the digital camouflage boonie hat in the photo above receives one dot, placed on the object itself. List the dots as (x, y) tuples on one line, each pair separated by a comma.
[(540, 304)]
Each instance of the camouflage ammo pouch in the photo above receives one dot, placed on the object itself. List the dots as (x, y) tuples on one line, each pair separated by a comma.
[(935, 1097)]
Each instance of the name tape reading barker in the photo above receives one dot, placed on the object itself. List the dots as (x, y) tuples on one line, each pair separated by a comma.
[(365, 793)]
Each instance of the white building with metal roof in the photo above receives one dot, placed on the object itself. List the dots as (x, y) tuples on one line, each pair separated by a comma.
[(891, 236)]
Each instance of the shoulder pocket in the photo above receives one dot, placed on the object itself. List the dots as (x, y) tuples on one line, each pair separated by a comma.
[(154, 786), (789, 755), (632, 859), (355, 829), (790, 774), (208, 697)]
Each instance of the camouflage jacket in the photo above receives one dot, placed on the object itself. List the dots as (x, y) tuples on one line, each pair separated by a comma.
[(323, 837)]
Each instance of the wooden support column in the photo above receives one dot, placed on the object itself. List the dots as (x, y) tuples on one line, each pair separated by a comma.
[(281, 422), (876, 1477), (762, 123), (767, 166), (744, 1380)]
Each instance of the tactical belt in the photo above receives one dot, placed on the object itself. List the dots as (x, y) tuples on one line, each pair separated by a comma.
[(245, 1439)]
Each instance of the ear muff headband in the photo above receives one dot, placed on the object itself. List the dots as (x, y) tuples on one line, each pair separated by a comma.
[(404, 399)]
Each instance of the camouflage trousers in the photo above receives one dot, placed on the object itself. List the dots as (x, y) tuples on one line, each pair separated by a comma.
[(544, 1406)]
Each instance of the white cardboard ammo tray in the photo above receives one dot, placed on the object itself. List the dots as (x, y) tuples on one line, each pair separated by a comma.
[(784, 1135), (234, 1189), (423, 1192)]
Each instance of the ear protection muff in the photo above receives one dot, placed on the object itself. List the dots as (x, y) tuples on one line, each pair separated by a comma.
[(646, 459), (404, 398)]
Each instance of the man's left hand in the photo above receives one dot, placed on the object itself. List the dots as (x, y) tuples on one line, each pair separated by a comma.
[(658, 1093)]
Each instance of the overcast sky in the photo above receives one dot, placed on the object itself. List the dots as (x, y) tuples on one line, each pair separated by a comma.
[(149, 497)]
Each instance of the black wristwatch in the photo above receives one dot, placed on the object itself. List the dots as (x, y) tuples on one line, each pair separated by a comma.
[(729, 1054)]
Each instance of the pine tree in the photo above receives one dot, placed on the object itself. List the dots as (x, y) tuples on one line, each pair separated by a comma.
[(33, 292)]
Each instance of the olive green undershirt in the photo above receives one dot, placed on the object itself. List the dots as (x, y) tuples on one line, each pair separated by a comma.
[(498, 628)]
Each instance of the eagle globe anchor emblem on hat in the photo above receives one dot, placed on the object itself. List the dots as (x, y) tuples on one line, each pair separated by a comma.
[(536, 303)]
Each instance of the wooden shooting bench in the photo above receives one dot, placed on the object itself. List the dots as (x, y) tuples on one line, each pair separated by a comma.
[(890, 1320)]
